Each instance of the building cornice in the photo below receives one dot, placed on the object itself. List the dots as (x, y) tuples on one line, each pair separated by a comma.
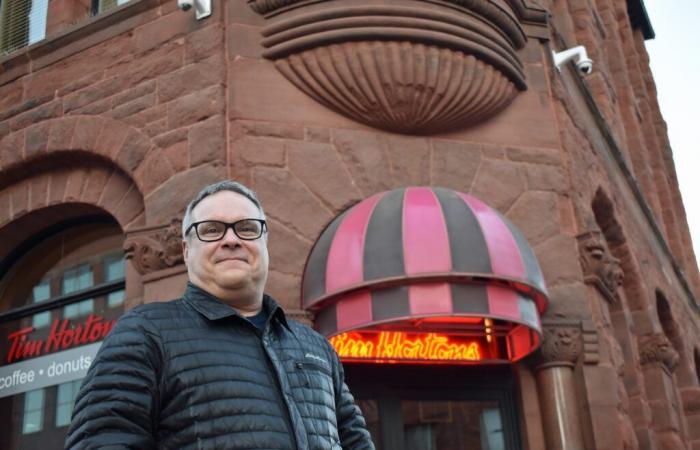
[(639, 18)]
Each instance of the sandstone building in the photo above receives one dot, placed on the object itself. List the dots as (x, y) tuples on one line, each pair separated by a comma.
[(497, 248)]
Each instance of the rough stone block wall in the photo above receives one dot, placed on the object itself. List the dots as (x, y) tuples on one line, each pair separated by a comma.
[(647, 408), (624, 90), (148, 103), (283, 141)]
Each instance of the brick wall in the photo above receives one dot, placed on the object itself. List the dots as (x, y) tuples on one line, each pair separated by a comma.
[(137, 110)]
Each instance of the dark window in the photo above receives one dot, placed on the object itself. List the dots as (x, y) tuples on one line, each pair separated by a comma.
[(437, 407), (57, 301)]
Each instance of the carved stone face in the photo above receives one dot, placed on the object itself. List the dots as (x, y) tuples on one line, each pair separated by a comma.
[(154, 248), (657, 348), (561, 344), (599, 266)]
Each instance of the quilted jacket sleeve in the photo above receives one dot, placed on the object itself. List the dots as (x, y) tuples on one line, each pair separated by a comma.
[(351, 423), (116, 405)]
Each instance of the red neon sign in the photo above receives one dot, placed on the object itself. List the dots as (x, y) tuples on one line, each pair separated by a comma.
[(394, 346), (61, 337)]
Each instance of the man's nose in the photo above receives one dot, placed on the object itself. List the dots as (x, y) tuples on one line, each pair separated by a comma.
[(230, 237)]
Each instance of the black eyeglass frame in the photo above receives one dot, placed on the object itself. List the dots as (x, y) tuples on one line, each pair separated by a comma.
[(227, 225)]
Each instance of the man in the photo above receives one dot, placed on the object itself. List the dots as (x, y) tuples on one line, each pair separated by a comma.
[(221, 367)]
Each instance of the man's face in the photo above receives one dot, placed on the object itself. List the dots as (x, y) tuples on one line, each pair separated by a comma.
[(230, 264)]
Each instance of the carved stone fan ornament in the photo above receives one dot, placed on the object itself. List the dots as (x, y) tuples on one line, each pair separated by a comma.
[(407, 66)]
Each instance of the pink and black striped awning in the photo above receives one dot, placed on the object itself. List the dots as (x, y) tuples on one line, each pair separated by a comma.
[(417, 254)]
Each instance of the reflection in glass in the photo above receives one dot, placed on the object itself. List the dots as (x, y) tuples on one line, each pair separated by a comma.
[(78, 309), (114, 267), (37, 20), (115, 298), (41, 319), (65, 401), (447, 425), (33, 411), (491, 430), (77, 279), (41, 292)]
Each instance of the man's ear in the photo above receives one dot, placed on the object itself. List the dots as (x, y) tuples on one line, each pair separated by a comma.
[(185, 249)]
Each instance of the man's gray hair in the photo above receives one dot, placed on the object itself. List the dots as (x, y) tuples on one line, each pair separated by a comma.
[(227, 185)]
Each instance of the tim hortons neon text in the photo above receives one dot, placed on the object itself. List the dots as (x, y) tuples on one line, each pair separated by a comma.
[(61, 337), (386, 345)]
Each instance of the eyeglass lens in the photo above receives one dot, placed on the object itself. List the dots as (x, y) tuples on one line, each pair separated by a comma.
[(244, 229)]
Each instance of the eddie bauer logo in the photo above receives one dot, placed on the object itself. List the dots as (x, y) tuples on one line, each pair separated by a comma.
[(61, 337)]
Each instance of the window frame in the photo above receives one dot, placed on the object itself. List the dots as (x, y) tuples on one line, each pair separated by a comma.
[(41, 410), (63, 300)]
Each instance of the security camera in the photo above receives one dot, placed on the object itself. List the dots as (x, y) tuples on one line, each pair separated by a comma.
[(585, 66), (577, 54), (202, 8)]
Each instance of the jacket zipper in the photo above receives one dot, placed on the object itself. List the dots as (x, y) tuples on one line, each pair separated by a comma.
[(280, 393)]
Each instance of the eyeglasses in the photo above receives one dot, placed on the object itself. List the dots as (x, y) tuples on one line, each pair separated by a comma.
[(214, 230)]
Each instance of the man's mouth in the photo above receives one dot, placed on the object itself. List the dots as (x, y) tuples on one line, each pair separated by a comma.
[(234, 258)]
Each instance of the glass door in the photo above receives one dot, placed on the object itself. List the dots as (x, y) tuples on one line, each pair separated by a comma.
[(437, 407)]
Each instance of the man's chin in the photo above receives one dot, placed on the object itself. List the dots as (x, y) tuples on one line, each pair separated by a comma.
[(234, 282)]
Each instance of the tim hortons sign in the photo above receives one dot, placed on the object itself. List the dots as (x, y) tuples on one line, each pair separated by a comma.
[(61, 337), (64, 355)]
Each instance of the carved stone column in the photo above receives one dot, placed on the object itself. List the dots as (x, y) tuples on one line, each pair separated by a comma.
[(563, 343), (659, 361)]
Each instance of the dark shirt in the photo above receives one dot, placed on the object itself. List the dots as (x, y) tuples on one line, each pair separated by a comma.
[(259, 320)]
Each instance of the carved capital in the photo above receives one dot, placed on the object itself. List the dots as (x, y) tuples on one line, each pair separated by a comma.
[(657, 349), (155, 248), (564, 341), (600, 268), (561, 344)]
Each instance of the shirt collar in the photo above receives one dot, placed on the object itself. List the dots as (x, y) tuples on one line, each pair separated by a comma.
[(214, 309)]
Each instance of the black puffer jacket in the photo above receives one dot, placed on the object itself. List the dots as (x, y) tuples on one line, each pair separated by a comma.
[(193, 374)]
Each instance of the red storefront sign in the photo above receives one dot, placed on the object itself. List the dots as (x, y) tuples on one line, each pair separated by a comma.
[(411, 347), (63, 335)]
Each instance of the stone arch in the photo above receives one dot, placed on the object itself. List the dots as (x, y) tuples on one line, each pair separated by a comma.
[(687, 373), (605, 217), (668, 323), (46, 196), (122, 145), (672, 354), (628, 293)]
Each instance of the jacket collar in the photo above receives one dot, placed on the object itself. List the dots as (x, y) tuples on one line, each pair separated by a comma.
[(214, 309)]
